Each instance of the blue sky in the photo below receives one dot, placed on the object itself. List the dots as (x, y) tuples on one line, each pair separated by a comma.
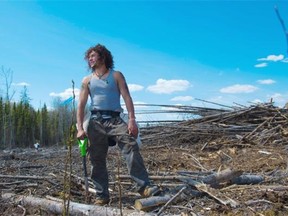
[(171, 52)]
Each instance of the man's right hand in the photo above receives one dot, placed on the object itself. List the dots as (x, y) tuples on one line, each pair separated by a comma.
[(81, 134)]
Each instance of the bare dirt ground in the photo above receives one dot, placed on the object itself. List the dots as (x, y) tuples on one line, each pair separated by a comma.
[(253, 141)]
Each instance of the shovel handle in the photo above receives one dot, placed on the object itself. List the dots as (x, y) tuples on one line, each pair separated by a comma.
[(85, 178), (83, 146)]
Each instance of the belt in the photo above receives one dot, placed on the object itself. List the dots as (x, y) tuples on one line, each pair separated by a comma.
[(113, 114)]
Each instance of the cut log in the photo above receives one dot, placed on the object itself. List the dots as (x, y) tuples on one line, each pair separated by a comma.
[(222, 176), (214, 179), (247, 179), (55, 207), (146, 204)]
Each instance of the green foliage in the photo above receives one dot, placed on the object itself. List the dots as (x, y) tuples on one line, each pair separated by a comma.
[(1, 121), (22, 126), (24, 96)]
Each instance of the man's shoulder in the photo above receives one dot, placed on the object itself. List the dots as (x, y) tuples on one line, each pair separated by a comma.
[(87, 79), (117, 73)]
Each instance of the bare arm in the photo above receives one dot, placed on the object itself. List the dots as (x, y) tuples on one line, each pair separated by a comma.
[(124, 91), (83, 96)]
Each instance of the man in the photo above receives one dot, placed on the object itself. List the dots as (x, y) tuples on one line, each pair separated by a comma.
[(105, 86)]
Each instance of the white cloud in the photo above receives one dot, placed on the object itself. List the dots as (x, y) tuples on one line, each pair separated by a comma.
[(261, 65), (238, 89), (266, 82), (168, 86), (66, 94), (285, 60), (272, 58), (21, 84), (278, 99), (257, 101), (182, 98), (276, 96), (135, 87)]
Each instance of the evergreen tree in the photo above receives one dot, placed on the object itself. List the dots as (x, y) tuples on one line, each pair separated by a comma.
[(28, 126), (22, 126), (14, 125), (38, 126), (45, 128), (7, 125), (1, 123), (19, 124), (24, 97)]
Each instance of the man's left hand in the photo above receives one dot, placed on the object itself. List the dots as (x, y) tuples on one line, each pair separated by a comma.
[(133, 128)]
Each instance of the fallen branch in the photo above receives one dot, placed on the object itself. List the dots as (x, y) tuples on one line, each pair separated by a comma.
[(11, 183), (25, 177), (55, 207), (215, 194), (171, 200)]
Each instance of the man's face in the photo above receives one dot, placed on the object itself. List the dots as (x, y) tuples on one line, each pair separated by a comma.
[(93, 60)]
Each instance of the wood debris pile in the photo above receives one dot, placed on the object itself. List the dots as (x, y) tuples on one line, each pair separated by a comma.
[(226, 162), (259, 124)]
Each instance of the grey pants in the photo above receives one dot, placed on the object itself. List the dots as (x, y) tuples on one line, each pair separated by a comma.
[(99, 132)]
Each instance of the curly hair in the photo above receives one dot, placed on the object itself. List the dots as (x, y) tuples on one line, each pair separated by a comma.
[(104, 54)]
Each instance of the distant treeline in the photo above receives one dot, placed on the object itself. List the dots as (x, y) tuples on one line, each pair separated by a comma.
[(22, 126)]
